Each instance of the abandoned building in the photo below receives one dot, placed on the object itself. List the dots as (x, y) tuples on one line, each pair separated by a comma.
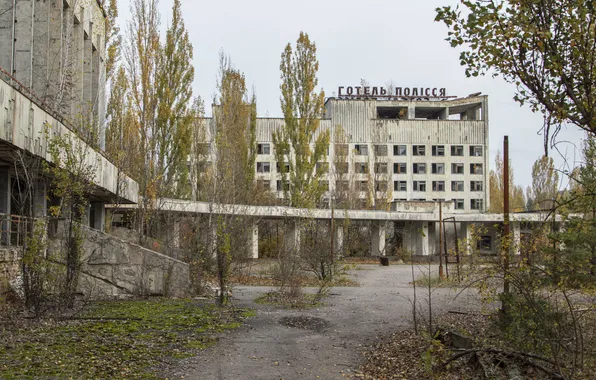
[(399, 148)]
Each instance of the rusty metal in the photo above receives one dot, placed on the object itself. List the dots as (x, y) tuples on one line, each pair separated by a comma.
[(506, 215), (441, 274)]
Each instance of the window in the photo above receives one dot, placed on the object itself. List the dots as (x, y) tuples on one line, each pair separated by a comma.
[(381, 168), (263, 167), (457, 185), (400, 186), (457, 150), (419, 185), (438, 150), (459, 204), (381, 186), (400, 168), (341, 150), (322, 167), (438, 185), (419, 150), (286, 167), (342, 185), (361, 167), (363, 185), (475, 168), (400, 150), (361, 149), (265, 185), (263, 149), (485, 243), (286, 186), (457, 168), (438, 168), (341, 167), (476, 186), (476, 204), (380, 150), (419, 168), (476, 150)]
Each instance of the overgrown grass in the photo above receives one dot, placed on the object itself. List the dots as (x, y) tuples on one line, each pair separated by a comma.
[(302, 301), (112, 339)]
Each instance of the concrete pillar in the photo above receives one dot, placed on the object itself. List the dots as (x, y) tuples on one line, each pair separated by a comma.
[(99, 216), (411, 111), (466, 232), (6, 33), (41, 40), (515, 238), (424, 246), (77, 67), (55, 55), (67, 42), (432, 237), (254, 241), (88, 74), (176, 233), (379, 230), (339, 240), (24, 42), (292, 236), (5, 197), (40, 201)]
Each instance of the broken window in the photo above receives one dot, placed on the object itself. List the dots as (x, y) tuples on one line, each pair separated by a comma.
[(264, 148), (400, 186), (438, 185), (438, 168), (457, 185), (361, 149), (419, 185), (400, 150), (263, 167), (457, 150), (457, 168)]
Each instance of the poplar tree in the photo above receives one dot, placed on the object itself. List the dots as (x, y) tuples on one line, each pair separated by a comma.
[(517, 202), (299, 143), (175, 114), (543, 192)]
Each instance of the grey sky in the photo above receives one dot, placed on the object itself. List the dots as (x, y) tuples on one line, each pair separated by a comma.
[(376, 40)]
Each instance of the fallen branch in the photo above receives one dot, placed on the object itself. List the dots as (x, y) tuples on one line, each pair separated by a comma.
[(516, 355)]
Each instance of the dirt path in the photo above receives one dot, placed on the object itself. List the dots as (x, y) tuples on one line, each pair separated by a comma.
[(351, 319)]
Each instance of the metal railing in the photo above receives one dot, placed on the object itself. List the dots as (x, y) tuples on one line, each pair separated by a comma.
[(14, 229)]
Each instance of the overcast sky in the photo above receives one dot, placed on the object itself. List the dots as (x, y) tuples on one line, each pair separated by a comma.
[(378, 40)]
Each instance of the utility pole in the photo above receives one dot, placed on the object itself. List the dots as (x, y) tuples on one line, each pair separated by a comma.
[(441, 274), (506, 236), (332, 228)]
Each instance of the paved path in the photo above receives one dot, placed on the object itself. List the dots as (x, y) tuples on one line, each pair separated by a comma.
[(266, 349)]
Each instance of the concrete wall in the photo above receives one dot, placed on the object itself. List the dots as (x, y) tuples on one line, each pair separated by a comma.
[(114, 267), (9, 266), (57, 49), (22, 124)]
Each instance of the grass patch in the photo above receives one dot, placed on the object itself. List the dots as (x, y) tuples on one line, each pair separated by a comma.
[(112, 339), (308, 281), (302, 301)]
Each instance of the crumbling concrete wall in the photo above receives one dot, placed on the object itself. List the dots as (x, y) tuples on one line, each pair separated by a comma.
[(9, 266), (114, 267)]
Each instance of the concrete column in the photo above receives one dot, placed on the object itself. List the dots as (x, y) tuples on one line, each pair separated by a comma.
[(432, 238), (88, 74), (515, 238), (24, 45), (41, 41), (292, 236), (411, 111), (339, 240), (67, 43), (6, 31), (424, 246), (379, 230), (55, 54), (99, 216), (40, 202), (77, 67), (254, 241), (176, 233), (467, 234), (5, 197)]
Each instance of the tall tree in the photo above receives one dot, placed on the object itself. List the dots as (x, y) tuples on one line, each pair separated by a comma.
[(113, 38), (545, 180), (235, 138), (302, 106), (546, 48), (175, 115), (517, 202)]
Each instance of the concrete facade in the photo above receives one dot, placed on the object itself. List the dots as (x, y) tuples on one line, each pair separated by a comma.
[(408, 150), (56, 48)]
